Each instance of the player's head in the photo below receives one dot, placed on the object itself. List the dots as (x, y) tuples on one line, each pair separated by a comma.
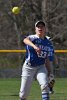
[(40, 28), (39, 22)]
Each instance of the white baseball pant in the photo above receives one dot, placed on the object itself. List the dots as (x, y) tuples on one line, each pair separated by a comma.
[(28, 73)]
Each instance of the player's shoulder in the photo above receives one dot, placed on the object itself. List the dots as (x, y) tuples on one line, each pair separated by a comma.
[(48, 37), (49, 42), (33, 36)]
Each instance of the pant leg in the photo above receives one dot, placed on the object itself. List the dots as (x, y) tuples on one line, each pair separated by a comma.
[(43, 81), (26, 80)]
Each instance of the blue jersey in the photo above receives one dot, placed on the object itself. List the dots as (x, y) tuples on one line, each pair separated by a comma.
[(46, 48)]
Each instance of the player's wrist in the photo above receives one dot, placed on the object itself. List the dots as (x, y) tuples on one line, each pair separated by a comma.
[(52, 75), (35, 47)]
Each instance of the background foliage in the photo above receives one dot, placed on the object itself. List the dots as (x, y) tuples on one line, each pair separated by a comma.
[(14, 27)]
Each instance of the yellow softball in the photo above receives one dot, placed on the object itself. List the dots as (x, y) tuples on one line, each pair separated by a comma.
[(16, 10)]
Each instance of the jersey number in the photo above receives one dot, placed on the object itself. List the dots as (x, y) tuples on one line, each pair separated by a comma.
[(42, 54)]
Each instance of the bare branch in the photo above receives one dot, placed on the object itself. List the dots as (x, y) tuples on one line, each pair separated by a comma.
[(57, 6)]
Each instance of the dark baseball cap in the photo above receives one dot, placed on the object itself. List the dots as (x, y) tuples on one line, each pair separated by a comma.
[(39, 22)]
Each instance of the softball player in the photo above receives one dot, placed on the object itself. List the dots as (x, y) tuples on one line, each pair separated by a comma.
[(37, 50)]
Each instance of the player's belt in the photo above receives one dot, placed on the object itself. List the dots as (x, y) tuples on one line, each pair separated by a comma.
[(29, 64)]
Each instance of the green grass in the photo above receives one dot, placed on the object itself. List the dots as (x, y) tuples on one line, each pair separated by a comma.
[(9, 90)]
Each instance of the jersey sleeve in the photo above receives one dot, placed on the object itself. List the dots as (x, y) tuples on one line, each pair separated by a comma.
[(31, 37)]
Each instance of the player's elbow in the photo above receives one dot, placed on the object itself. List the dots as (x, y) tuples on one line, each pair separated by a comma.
[(25, 40)]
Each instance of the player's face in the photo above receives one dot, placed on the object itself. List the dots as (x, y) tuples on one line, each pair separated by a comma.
[(40, 30)]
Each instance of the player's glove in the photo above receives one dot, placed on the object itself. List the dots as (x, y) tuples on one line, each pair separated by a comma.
[(51, 81)]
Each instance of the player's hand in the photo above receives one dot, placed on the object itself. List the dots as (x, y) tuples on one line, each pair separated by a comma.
[(51, 84), (51, 80), (37, 49)]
